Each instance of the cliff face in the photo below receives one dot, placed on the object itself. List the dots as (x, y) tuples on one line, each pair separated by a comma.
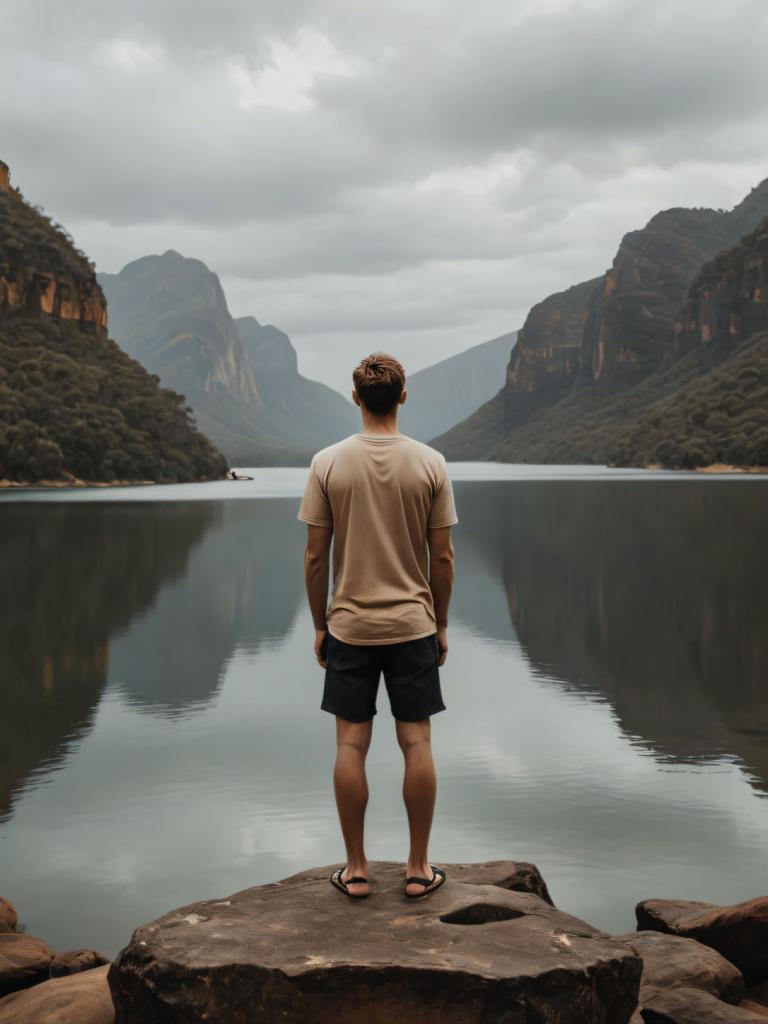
[(240, 377), (267, 347), (170, 313), (564, 402), (546, 357), (728, 302), (40, 270), (71, 403), (630, 328)]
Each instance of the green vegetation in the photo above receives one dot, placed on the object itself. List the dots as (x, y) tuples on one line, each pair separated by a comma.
[(72, 403), (720, 417)]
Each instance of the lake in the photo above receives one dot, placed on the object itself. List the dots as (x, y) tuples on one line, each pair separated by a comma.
[(606, 685)]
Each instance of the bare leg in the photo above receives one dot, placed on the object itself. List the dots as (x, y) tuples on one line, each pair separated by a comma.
[(351, 788), (419, 788)]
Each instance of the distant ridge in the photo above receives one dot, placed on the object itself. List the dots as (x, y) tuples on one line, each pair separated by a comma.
[(240, 377), (444, 393)]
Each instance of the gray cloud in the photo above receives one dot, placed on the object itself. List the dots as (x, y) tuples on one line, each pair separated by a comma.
[(380, 174)]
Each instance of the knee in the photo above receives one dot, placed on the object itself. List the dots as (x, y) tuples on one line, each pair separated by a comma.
[(414, 742), (354, 746)]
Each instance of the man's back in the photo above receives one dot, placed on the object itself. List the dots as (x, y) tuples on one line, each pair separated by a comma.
[(381, 494)]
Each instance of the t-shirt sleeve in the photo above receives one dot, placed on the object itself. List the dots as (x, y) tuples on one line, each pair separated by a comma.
[(315, 507), (443, 511)]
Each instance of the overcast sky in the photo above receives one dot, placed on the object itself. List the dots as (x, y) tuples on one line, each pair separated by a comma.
[(405, 175)]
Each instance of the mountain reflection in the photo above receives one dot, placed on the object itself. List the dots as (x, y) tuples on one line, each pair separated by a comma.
[(241, 590), (651, 595), (73, 576)]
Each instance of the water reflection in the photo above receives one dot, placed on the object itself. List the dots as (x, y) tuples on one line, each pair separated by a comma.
[(71, 581), (241, 590), (654, 597)]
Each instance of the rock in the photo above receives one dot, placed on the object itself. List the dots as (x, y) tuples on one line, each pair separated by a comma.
[(8, 916), (517, 875), (739, 932), (24, 960), (299, 951), (75, 960), (759, 994), (82, 998), (692, 1006), (670, 961), (757, 1008)]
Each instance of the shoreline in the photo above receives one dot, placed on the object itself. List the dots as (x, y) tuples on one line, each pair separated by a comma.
[(715, 469)]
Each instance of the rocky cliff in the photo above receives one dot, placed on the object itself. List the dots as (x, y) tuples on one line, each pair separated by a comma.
[(633, 337), (71, 403), (240, 377), (728, 302), (40, 269)]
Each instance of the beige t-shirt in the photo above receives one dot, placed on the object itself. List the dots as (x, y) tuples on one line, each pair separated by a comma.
[(380, 493)]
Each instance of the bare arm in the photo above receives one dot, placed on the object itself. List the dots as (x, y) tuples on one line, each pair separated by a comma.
[(441, 574), (316, 562)]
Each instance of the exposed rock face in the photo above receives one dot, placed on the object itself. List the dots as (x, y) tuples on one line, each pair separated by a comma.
[(7, 913), (24, 960), (547, 355), (670, 961), (39, 268), (170, 313), (728, 302), (240, 378), (739, 932), (267, 347), (83, 998), (692, 1006), (629, 339), (72, 961), (299, 951)]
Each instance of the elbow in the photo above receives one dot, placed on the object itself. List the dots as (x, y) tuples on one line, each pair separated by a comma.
[(312, 556)]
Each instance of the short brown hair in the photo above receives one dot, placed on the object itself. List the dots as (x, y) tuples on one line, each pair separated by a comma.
[(379, 380)]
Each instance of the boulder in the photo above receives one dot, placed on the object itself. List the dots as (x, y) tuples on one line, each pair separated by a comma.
[(82, 998), (739, 932), (692, 1006), (517, 875), (670, 961), (300, 951), (72, 961), (757, 999), (7, 916), (24, 960)]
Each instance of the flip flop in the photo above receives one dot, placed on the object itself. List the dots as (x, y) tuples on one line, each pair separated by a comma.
[(337, 883), (438, 877)]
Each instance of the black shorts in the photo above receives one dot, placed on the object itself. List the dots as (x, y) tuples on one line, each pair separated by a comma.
[(410, 674)]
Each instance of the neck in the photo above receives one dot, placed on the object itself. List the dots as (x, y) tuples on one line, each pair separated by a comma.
[(379, 424)]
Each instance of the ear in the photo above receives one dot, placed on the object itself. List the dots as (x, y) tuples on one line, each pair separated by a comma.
[(403, 393), (355, 397)]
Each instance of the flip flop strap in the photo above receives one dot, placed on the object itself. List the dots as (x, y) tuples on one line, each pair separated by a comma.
[(355, 881)]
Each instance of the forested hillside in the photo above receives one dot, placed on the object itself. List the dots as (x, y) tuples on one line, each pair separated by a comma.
[(72, 404)]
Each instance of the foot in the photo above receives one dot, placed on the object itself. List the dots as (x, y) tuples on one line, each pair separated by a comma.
[(356, 871), (423, 870)]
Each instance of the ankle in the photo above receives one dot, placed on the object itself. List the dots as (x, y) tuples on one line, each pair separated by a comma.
[(418, 866), (356, 869)]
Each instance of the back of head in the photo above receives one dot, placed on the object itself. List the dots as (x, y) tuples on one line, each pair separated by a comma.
[(379, 380)]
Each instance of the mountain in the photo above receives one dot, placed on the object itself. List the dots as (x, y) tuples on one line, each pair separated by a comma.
[(446, 392), (627, 349), (72, 404), (241, 378)]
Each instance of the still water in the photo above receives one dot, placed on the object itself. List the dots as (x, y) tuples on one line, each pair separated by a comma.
[(160, 733)]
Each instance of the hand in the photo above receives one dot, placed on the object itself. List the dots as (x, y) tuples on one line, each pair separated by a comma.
[(442, 644), (321, 647)]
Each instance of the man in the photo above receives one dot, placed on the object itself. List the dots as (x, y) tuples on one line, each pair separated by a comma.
[(387, 501)]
